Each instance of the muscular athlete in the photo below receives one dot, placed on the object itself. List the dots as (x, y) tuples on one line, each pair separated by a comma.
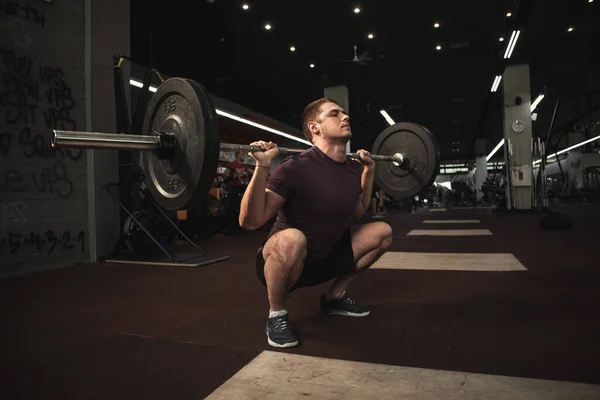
[(314, 195)]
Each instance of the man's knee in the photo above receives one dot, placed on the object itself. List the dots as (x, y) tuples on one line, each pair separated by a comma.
[(287, 246)]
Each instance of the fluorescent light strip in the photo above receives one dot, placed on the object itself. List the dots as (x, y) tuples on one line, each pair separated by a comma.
[(514, 44), (263, 127), (495, 150), (537, 102), (496, 83), (387, 117), (510, 42), (139, 84), (558, 153)]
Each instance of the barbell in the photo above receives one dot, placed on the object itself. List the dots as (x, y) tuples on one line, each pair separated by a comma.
[(163, 144), (180, 148)]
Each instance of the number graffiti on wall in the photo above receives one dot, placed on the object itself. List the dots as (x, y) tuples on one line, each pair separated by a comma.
[(45, 242)]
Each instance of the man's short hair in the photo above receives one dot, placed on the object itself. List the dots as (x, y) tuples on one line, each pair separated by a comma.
[(311, 113)]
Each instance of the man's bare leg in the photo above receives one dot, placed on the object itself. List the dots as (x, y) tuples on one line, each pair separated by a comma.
[(284, 255), (369, 242)]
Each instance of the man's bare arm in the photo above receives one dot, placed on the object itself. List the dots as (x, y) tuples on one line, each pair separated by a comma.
[(362, 204), (259, 204)]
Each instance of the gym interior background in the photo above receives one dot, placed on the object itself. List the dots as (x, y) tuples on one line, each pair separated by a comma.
[(496, 82)]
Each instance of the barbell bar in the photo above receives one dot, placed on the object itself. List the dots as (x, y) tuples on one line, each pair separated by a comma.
[(156, 143), (180, 146)]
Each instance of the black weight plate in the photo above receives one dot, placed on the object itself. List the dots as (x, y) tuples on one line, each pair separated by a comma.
[(183, 108), (421, 159)]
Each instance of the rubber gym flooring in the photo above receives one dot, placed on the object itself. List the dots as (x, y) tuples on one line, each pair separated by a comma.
[(125, 331)]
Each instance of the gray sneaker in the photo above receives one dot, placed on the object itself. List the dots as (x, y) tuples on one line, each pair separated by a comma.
[(343, 306), (279, 332)]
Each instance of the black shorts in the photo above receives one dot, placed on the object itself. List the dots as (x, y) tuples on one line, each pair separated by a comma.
[(339, 262)]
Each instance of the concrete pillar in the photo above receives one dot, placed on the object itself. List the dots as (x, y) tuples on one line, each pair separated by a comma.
[(340, 95), (480, 166), (517, 136)]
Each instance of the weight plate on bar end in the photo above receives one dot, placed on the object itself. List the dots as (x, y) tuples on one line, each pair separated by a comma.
[(183, 108), (421, 159)]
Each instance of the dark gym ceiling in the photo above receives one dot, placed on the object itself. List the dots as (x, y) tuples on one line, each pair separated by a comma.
[(229, 51)]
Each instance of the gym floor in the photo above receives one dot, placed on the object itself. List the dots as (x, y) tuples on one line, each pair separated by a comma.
[(128, 331)]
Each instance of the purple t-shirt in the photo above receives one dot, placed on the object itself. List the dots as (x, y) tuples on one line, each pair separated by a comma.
[(320, 196)]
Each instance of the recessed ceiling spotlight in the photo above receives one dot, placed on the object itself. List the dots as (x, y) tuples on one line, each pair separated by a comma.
[(292, 48), (268, 27), (370, 36), (436, 25), (501, 39), (438, 47), (312, 65), (356, 10), (570, 29), (509, 14), (245, 6)]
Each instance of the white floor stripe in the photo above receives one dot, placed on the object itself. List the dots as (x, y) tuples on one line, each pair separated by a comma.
[(449, 232), (437, 209), (449, 261), (276, 375), (451, 221)]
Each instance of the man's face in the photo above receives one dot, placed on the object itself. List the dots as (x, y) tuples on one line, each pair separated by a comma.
[(333, 123)]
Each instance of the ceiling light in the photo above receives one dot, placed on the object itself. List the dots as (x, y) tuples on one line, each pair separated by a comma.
[(387, 117), (245, 6), (570, 29), (356, 10), (590, 1), (501, 39), (438, 47), (292, 48), (509, 14), (436, 25), (268, 27), (312, 65), (260, 126), (511, 44), (558, 153), (140, 85), (495, 150), (496, 83), (370, 36), (536, 102)]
